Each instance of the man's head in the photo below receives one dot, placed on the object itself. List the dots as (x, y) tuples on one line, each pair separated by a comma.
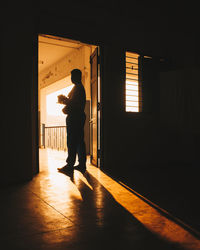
[(76, 76)]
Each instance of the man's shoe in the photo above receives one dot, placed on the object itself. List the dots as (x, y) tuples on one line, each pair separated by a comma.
[(66, 168), (81, 168)]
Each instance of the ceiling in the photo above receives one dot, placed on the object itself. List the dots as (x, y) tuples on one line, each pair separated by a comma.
[(52, 49)]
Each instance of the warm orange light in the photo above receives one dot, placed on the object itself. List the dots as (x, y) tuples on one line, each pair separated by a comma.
[(132, 88), (146, 214), (54, 108), (67, 197), (78, 177), (55, 183)]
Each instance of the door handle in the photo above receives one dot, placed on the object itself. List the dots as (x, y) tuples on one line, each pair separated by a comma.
[(92, 120)]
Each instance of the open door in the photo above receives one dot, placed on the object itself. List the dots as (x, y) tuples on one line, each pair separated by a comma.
[(94, 108)]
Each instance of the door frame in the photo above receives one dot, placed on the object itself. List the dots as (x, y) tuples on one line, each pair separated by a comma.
[(34, 109), (35, 98)]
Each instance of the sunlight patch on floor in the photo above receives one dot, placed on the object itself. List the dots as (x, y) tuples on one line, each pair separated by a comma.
[(63, 191), (147, 215)]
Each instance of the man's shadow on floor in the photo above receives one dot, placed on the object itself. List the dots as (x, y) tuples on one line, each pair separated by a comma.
[(106, 222)]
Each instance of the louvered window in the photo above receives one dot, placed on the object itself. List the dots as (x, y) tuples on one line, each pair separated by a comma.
[(132, 83)]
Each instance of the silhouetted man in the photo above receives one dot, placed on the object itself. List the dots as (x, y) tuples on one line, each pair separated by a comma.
[(75, 120)]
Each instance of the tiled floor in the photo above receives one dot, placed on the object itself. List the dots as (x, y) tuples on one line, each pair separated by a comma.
[(90, 211)]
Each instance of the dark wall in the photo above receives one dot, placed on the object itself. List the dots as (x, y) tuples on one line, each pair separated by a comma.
[(180, 111), (128, 138), (17, 86), (131, 140)]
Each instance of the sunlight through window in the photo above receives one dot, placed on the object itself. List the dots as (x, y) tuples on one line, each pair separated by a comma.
[(53, 107), (132, 88)]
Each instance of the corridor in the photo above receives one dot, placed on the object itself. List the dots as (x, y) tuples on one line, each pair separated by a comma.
[(83, 212)]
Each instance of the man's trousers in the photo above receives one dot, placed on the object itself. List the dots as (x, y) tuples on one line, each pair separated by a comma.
[(75, 139)]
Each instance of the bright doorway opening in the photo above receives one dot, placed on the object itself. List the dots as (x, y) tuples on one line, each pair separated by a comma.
[(57, 57)]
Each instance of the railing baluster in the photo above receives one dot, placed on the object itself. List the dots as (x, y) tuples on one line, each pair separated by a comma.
[(55, 137)]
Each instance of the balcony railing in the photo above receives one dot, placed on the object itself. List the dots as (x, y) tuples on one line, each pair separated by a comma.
[(54, 137)]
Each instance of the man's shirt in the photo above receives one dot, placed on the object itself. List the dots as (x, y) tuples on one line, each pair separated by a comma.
[(76, 100)]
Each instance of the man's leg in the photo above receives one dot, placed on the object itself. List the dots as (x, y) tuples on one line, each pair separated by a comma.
[(71, 144), (81, 150)]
